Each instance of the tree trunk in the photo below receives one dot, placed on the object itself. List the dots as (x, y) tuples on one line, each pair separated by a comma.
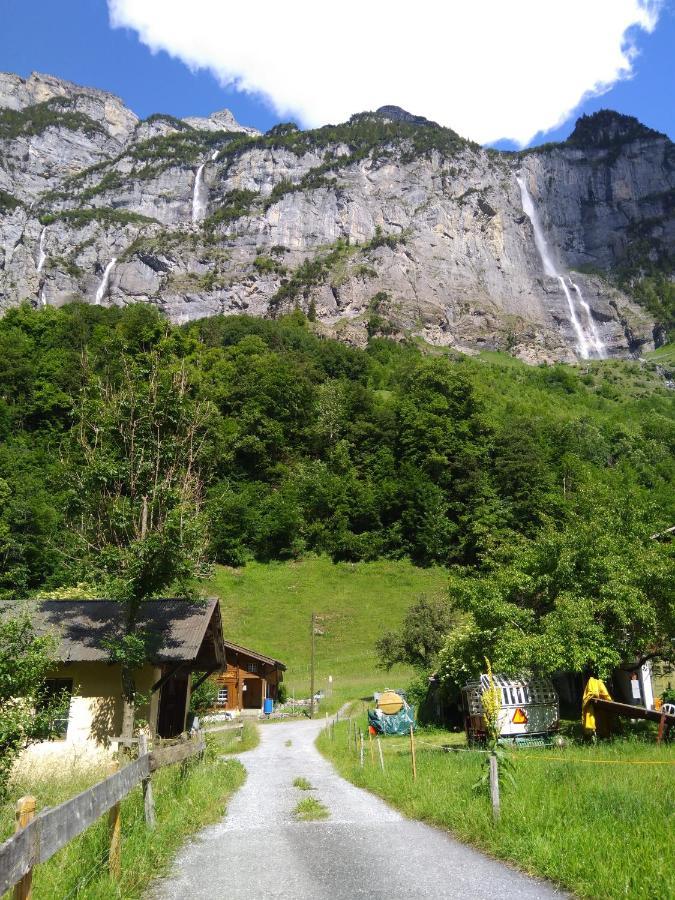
[(127, 721), (128, 706)]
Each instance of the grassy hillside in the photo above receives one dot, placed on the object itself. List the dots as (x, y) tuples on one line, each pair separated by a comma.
[(664, 355), (268, 607)]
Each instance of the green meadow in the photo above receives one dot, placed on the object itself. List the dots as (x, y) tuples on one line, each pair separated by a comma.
[(268, 607), (597, 819)]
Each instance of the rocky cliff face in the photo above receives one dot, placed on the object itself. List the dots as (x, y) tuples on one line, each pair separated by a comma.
[(385, 225)]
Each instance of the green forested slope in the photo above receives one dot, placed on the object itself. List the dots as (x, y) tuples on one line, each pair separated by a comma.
[(307, 445)]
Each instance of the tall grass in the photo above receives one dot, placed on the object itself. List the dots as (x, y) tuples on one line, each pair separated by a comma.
[(598, 820), (185, 801), (236, 740)]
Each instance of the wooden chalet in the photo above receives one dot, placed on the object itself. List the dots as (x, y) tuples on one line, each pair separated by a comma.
[(249, 679)]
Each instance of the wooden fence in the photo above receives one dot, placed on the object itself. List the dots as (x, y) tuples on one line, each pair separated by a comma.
[(38, 838)]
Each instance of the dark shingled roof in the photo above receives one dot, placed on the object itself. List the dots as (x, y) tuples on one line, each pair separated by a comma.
[(179, 630), (254, 655)]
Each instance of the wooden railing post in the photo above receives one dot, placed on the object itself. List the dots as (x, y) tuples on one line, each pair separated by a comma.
[(115, 831), (412, 752), (25, 812), (662, 727), (148, 797), (494, 786)]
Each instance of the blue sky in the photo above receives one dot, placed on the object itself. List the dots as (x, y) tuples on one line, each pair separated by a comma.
[(73, 39)]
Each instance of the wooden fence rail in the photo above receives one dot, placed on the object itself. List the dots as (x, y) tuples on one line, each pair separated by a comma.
[(53, 828), (231, 726)]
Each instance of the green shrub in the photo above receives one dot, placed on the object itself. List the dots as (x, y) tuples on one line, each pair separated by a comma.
[(266, 264), (59, 112), (78, 218), (8, 202), (237, 203)]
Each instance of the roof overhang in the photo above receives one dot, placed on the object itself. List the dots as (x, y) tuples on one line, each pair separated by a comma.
[(178, 630)]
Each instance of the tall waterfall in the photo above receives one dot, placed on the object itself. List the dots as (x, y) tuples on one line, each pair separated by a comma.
[(103, 286), (42, 257), (588, 339), (214, 155), (199, 196)]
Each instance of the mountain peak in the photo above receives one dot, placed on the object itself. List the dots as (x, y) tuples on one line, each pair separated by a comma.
[(396, 114), (223, 120), (607, 128)]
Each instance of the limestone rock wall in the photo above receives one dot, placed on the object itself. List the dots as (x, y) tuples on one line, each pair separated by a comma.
[(433, 243)]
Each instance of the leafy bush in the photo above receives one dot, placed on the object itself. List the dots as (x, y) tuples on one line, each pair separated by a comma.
[(28, 713), (204, 697)]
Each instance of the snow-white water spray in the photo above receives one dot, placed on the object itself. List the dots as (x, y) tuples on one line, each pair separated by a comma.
[(198, 196), (42, 254), (103, 286), (582, 340), (596, 340)]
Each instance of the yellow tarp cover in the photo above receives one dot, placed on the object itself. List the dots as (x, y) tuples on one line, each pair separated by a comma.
[(595, 690)]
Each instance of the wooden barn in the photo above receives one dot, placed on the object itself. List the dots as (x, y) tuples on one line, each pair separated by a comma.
[(249, 679)]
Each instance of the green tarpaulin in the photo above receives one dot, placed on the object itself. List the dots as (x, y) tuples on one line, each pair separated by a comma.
[(399, 723)]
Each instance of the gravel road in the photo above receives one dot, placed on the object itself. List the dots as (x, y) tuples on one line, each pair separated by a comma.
[(365, 848)]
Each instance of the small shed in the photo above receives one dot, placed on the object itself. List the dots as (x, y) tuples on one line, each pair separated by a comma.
[(183, 637), (250, 678)]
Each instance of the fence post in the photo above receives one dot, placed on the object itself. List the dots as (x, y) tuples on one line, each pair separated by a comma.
[(494, 786), (115, 831), (662, 727), (370, 744), (412, 752), (349, 731), (379, 747), (361, 747), (148, 797), (25, 812)]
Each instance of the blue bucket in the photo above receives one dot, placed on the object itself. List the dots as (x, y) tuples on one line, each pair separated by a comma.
[(268, 706)]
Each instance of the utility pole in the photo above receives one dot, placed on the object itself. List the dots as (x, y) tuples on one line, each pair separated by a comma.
[(311, 704)]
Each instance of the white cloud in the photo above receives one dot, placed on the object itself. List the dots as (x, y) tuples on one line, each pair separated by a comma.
[(489, 69)]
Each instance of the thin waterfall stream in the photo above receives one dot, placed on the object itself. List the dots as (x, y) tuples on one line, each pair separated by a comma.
[(42, 254), (199, 196), (105, 282), (587, 336)]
